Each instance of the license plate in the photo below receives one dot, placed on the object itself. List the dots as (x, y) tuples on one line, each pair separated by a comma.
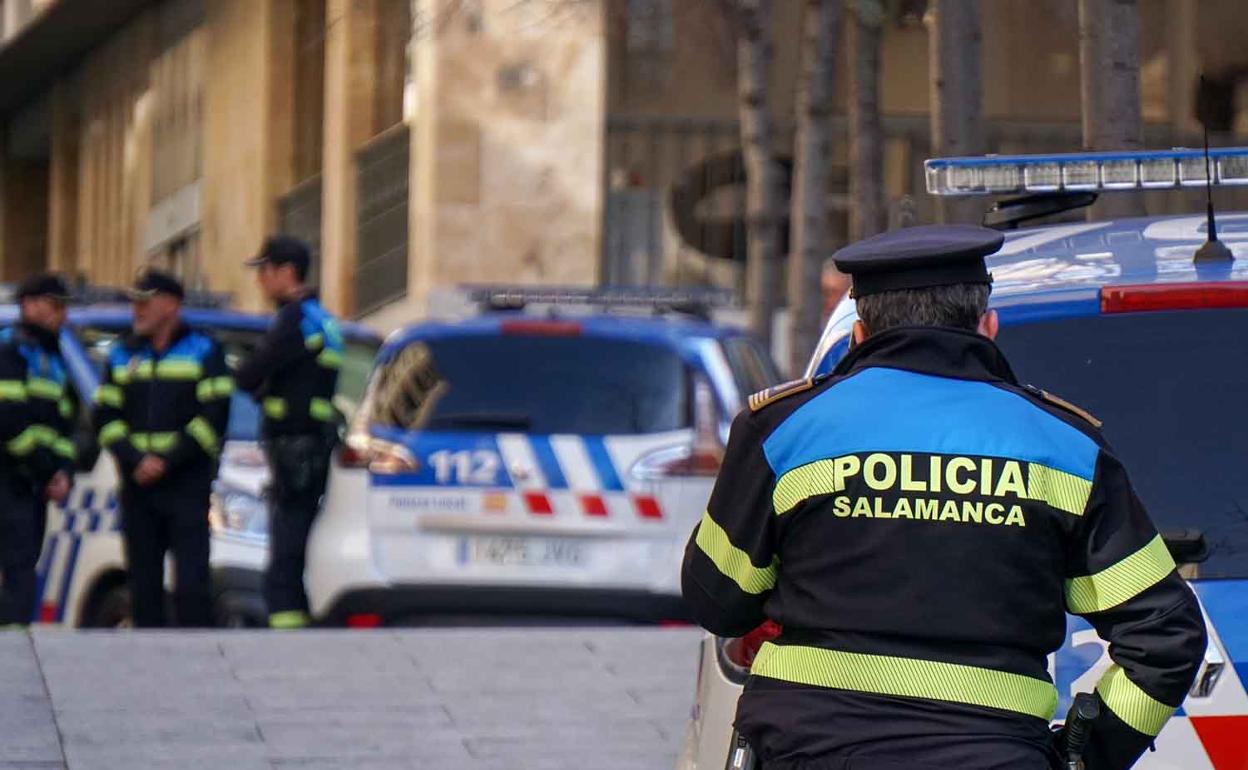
[(522, 552)]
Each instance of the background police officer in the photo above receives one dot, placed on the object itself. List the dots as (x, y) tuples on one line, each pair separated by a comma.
[(36, 444), (293, 372), (919, 524), (162, 411)]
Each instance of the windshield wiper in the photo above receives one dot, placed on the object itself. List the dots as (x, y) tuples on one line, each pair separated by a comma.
[(499, 420)]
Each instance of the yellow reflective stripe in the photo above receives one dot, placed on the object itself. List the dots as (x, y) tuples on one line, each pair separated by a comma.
[(817, 478), (110, 395), (1132, 705), (288, 619), (330, 359), (162, 442), (65, 448), (275, 408), (321, 409), (732, 561), (12, 390), (178, 370), (214, 388), (41, 388), (140, 441), (223, 386), (121, 375), (1125, 580), (66, 408), (202, 432), (30, 439), (114, 431), (1061, 490), (314, 341), (907, 678)]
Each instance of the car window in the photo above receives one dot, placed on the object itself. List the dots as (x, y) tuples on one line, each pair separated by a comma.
[(751, 366), (533, 384), (244, 424), (1172, 389)]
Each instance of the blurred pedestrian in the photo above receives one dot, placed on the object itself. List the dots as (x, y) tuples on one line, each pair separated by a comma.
[(833, 285), (293, 373), (36, 438), (162, 411)]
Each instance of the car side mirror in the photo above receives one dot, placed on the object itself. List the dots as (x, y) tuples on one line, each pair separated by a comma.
[(1187, 546)]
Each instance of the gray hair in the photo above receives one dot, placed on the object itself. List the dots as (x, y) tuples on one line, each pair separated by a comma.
[(960, 306)]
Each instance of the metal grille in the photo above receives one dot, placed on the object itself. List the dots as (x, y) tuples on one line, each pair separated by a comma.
[(299, 214), (382, 173)]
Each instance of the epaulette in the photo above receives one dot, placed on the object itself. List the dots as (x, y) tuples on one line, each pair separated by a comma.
[(776, 392), (1064, 404)]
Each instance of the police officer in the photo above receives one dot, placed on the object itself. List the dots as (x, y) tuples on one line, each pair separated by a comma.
[(36, 444), (162, 411), (919, 523), (293, 372)]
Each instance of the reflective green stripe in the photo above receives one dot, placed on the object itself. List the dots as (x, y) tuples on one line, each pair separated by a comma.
[(314, 341), (320, 409), (41, 388), (30, 439), (288, 619), (1131, 704), (732, 561), (330, 359), (178, 370), (66, 408), (1125, 580), (907, 678), (1056, 488), (275, 408), (12, 390), (65, 448), (213, 388), (140, 442), (114, 431), (1059, 489), (162, 442), (202, 432), (110, 395), (121, 375)]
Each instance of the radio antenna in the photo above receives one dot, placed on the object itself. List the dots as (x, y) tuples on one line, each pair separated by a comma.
[(1212, 250)]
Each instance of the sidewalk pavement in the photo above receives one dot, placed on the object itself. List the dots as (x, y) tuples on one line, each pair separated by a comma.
[(480, 699)]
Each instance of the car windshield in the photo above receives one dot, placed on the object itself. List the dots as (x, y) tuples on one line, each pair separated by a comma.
[(1172, 389), (357, 362), (533, 384)]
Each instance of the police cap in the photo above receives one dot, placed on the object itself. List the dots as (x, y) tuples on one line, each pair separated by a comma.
[(47, 285), (919, 258), (283, 250), (153, 282)]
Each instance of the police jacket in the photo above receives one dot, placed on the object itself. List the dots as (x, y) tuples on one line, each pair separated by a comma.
[(920, 524), (36, 412), (294, 370), (174, 404)]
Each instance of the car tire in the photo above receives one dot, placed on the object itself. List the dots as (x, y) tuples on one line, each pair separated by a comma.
[(238, 610), (111, 609)]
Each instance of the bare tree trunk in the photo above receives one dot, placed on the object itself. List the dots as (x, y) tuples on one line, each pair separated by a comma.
[(809, 217), (957, 129), (1109, 57), (868, 213), (754, 56)]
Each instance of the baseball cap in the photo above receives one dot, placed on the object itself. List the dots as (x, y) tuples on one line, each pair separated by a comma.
[(153, 282), (47, 285), (283, 250)]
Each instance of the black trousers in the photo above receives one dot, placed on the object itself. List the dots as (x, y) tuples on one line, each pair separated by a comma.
[(23, 519), (300, 468), (170, 516)]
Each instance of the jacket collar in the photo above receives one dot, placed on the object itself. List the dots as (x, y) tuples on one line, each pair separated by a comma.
[(181, 330), (38, 335), (936, 350), (304, 296)]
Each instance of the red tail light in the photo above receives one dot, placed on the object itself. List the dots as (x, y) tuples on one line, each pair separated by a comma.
[(364, 620), (737, 655), (1205, 295), (539, 328)]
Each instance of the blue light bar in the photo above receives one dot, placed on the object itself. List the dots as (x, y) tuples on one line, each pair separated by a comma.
[(1084, 171)]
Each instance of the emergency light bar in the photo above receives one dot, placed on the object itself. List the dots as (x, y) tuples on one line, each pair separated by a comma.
[(1085, 171), (607, 296)]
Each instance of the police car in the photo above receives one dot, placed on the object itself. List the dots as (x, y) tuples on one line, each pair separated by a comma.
[(1119, 318), (545, 458), (81, 572)]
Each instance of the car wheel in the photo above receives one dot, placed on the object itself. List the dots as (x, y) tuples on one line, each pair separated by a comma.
[(111, 609), (238, 610)]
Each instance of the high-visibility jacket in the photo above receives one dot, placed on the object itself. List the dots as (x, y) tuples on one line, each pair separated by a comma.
[(36, 407), (174, 404), (920, 524)]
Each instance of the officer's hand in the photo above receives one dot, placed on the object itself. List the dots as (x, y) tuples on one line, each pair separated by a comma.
[(58, 488), (150, 469)]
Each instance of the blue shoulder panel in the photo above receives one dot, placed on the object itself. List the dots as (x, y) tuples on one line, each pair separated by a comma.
[(927, 414), (195, 345)]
